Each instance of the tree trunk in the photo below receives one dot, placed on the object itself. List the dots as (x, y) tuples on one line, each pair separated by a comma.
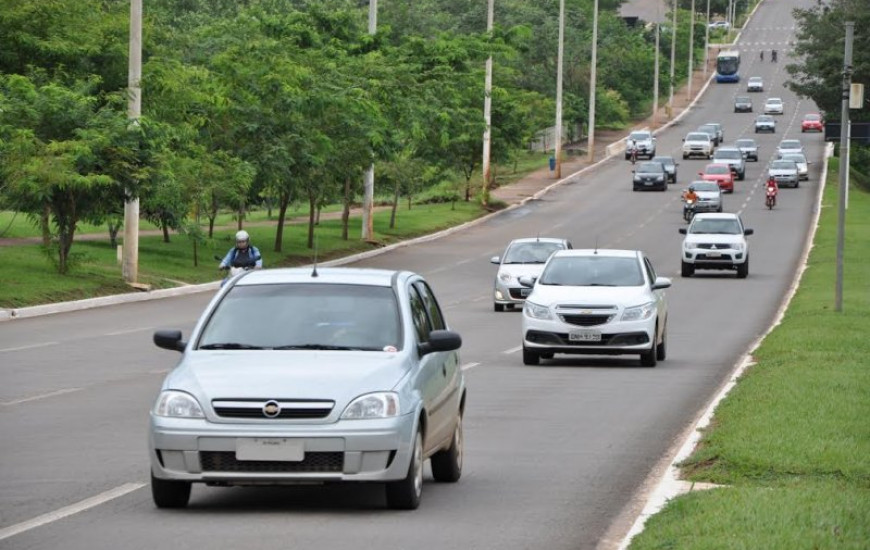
[(283, 201), (113, 233), (45, 225), (66, 227), (164, 223), (317, 215), (396, 189), (241, 214), (312, 208), (212, 215), (345, 210)]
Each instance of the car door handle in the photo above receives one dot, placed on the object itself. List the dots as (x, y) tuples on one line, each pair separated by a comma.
[(444, 368)]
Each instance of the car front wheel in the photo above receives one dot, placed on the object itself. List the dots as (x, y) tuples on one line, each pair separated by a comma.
[(405, 494), (447, 464), (743, 269), (498, 307), (530, 357), (687, 269), (169, 494), (662, 348)]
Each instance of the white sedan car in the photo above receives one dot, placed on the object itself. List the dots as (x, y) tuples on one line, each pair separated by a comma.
[(773, 106), (596, 302)]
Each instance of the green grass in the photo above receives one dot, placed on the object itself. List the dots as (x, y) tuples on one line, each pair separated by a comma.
[(29, 277), (791, 442)]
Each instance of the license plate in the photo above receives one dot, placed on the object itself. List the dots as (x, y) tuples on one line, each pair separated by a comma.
[(525, 292), (584, 336), (270, 448), (714, 254)]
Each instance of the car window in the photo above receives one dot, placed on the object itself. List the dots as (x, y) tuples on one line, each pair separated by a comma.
[(592, 271), (780, 164), (726, 154), (715, 226), (718, 170), (419, 316), (698, 137), (705, 186), (288, 316), (650, 167), (650, 272), (530, 252), (436, 319)]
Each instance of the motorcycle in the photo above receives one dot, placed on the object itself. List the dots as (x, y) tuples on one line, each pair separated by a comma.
[(770, 198), (689, 210), (232, 271)]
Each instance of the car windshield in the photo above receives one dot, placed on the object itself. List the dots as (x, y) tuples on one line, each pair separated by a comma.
[(530, 252), (666, 161), (697, 137), (705, 186), (715, 226), (650, 168), (304, 316), (742, 99), (715, 169), (765, 118), (639, 136), (790, 145), (783, 165), (707, 129), (728, 154), (796, 157), (755, 79), (745, 143), (774, 101), (592, 271)]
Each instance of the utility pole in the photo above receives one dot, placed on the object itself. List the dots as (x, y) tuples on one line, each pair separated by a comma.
[(592, 82), (844, 163), (655, 117), (691, 47), (707, 42), (557, 139), (673, 54), (130, 252), (487, 105), (368, 226)]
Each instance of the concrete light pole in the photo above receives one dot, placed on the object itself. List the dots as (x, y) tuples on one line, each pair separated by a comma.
[(368, 227), (557, 139), (592, 82), (691, 47), (707, 42), (655, 113), (844, 163), (130, 252), (673, 54), (487, 106)]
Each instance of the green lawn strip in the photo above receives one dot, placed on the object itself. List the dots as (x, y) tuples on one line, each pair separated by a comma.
[(792, 439), (29, 277)]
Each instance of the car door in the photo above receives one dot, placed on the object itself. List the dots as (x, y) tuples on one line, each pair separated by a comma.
[(439, 371), (659, 294)]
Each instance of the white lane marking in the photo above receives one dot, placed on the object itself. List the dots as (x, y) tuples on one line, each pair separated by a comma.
[(128, 331), (465, 261), (469, 366), (66, 511), (40, 396), (512, 350), (31, 346)]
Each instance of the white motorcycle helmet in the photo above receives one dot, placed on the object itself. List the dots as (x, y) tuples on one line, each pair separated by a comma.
[(242, 237)]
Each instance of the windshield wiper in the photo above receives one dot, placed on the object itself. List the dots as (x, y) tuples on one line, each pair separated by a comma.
[(320, 347), (229, 345)]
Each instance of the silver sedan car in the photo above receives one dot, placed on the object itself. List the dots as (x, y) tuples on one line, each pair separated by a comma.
[(522, 257), (311, 376)]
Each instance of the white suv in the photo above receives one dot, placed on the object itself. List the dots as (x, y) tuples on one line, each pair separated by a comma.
[(697, 144), (715, 241), (596, 302)]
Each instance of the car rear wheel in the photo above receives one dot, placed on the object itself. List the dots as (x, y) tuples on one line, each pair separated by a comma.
[(447, 464), (530, 357), (169, 494), (687, 269), (405, 494)]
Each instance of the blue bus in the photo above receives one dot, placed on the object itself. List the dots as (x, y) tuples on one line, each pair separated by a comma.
[(728, 66)]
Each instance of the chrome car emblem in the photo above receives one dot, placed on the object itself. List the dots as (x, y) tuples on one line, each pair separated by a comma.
[(713, 247), (271, 409)]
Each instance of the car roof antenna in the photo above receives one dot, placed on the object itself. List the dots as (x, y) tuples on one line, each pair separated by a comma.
[(596, 245), (314, 267)]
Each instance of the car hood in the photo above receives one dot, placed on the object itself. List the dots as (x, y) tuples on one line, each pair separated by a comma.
[(299, 374), (547, 295), (521, 270)]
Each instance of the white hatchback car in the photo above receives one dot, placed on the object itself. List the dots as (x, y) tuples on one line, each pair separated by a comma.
[(522, 257), (715, 241), (773, 106), (596, 302)]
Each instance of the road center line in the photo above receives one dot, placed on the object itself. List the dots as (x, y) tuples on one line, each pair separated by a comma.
[(469, 366), (512, 350), (40, 396), (128, 331), (31, 346), (66, 511)]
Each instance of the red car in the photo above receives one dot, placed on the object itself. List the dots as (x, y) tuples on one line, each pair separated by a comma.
[(812, 122), (720, 173)]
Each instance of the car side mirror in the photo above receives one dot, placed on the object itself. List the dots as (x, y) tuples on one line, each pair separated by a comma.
[(661, 282), (682, 230), (495, 260), (700, 173), (169, 339), (527, 281), (441, 340), (748, 231)]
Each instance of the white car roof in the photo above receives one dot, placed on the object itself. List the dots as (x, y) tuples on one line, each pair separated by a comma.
[(538, 239)]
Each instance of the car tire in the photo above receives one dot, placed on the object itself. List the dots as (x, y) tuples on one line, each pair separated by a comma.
[(687, 269), (719, 209), (685, 156), (649, 358), (498, 307), (169, 494), (662, 348), (405, 494), (530, 357), (447, 464), (796, 184), (743, 269)]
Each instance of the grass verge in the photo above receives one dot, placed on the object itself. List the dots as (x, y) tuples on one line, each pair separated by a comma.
[(791, 442)]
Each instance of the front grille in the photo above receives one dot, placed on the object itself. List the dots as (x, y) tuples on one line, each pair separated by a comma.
[(561, 339), (586, 320), (710, 246), (225, 461), (289, 408), (517, 293)]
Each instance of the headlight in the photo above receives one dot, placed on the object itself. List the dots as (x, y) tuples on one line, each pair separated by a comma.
[(176, 404), (536, 311), (738, 247), (687, 245), (505, 277), (638, 313), (373, 405)]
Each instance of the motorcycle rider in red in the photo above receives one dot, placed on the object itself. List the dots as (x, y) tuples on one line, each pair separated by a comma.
[(772, 189)]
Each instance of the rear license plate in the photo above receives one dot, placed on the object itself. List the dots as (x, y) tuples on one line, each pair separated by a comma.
[(584, 336), (270, 448), (525, 292)]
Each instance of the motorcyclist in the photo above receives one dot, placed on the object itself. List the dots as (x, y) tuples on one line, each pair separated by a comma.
[(243, 254), (632, 150), (773, 55), (772, 188), (762, 55), (690, 195)]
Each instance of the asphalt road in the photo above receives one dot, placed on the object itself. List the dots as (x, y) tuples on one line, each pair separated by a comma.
[(557, 455)]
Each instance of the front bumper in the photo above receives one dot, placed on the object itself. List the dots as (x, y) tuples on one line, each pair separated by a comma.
[(197, 450), (617, 338), (721, 258), (507, 294)]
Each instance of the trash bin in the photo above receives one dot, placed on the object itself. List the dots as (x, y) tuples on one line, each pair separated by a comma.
[(552, 163)]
